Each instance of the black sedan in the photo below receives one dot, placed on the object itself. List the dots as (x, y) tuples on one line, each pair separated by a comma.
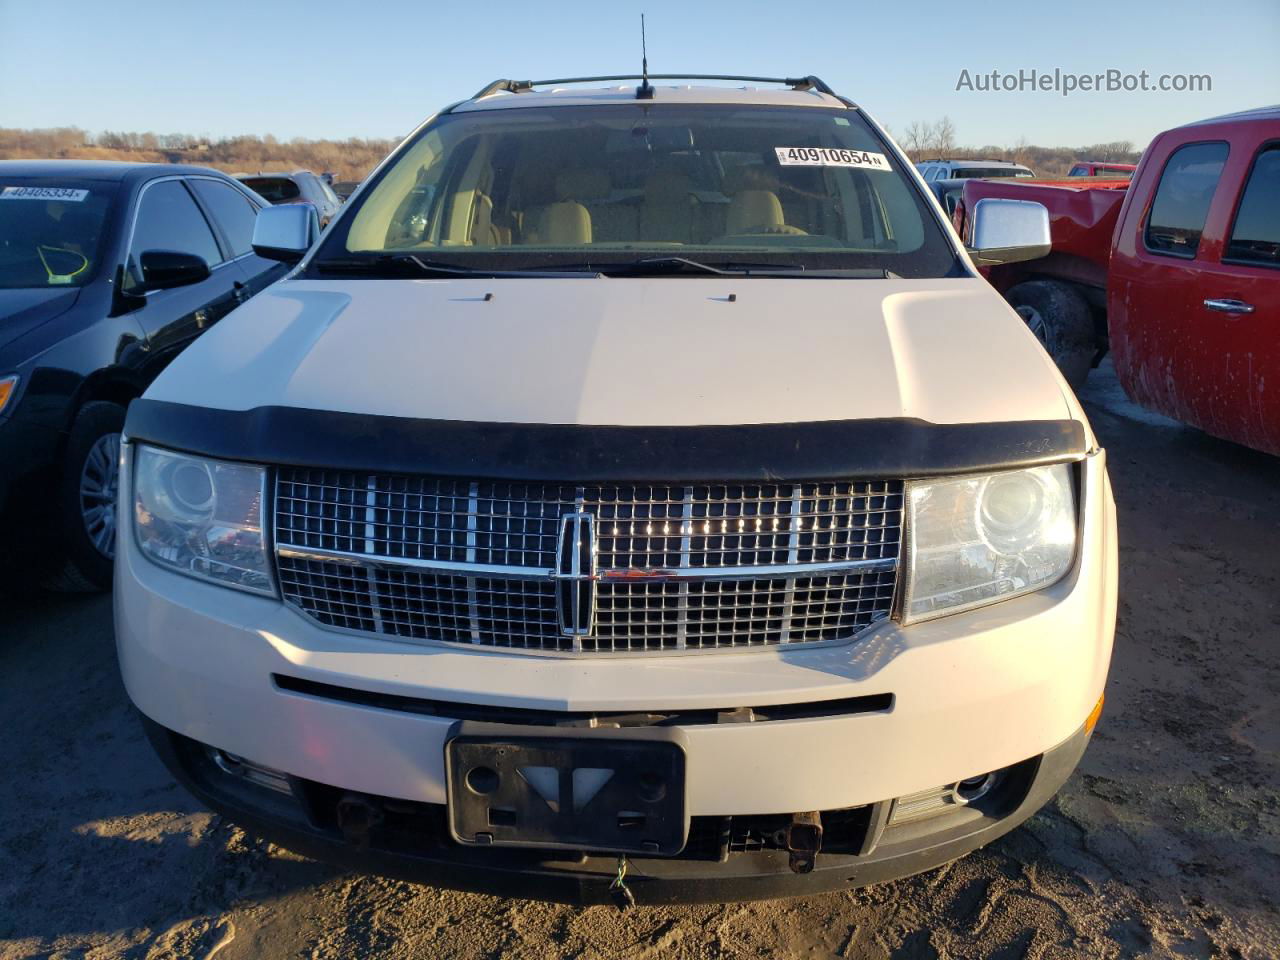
[(107, 271)]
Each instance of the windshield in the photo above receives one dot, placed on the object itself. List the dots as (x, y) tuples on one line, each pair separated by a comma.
[(540, 187), (273, 189), (51, 231), (967, 173), (1110, 173)]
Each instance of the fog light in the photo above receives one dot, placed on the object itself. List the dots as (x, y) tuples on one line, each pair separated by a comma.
[(975, 788), (236, 766), (927, 803)]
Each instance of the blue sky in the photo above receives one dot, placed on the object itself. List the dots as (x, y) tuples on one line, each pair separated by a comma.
[(375, 69)]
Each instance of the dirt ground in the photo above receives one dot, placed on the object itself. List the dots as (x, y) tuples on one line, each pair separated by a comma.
[(1165, 843)]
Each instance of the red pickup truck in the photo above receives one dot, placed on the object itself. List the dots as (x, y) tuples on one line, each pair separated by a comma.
[(1178, 275), (1104, 169)]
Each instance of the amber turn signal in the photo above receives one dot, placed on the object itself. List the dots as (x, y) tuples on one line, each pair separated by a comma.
[(1091, 721), (7, 387)]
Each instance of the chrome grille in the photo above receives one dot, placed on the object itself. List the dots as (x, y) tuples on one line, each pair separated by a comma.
[(675, 567), (738, 613), (417, 606)]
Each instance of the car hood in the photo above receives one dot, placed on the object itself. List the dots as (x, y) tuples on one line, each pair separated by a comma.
[(629, 352), (24, 309)]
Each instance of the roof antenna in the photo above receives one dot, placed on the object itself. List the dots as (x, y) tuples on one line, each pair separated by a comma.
[(645, 90)]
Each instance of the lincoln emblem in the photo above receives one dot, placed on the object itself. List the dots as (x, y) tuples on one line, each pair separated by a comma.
[(576, 574)]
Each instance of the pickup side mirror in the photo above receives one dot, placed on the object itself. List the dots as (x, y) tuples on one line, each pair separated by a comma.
[(1008, 231), (164, 269), (285, 233)]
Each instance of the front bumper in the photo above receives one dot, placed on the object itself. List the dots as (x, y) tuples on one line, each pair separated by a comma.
[(904, 709), (726, 858)]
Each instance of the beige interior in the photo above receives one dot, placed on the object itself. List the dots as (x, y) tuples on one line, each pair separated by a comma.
[(754, 211), (482, 230), (610, 222), (581, 213), (565, 223), (371, 225), (669, 209)]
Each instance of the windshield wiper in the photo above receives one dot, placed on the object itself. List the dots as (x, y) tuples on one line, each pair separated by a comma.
[(383, 263), (673, 266), (432, 268)]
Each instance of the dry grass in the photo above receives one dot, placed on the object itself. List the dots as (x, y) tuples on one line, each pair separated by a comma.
[(347, 159)]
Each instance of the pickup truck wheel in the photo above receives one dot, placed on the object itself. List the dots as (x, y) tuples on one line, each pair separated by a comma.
[(86, 504), (1061, 321)]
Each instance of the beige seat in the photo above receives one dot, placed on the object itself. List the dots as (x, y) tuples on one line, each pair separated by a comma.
[(484, 232), (669, 210), (568, 220), (754, 211), (610, 222), (565, 223)]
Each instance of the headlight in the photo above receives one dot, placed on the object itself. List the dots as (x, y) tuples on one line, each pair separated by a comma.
[(202, 517), (976, 540)]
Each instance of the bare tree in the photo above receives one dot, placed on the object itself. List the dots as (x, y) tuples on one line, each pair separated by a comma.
[(944, 136), (1018, 152), (921, 139), (913, 139), (1118, 149)]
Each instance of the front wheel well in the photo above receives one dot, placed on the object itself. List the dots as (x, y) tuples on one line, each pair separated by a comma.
[(103, 389), (1094, 297), (1062, 320)]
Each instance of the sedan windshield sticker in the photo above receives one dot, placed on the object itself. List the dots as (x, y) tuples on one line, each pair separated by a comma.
[(831, 157), (66, 194)]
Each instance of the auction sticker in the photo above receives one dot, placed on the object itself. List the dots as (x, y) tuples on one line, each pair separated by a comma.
[(831, 157), (66, 194)]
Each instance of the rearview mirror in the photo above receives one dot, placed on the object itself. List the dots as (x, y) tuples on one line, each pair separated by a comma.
[(1008, 231), (650, 139), (286, 233), (165, 269)]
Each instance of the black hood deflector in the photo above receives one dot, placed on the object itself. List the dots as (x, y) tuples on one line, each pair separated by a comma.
[(880, 449)]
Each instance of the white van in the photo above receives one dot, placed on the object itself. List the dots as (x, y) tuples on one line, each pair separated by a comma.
[(634, 494)]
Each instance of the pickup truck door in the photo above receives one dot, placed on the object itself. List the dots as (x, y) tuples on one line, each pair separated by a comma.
[(1194, 293)]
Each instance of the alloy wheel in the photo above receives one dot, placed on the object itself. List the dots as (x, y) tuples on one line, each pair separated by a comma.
[(1031, 317), (99, 488)]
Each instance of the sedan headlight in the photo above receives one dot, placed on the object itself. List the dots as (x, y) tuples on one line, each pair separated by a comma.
[(202, 517), (975, 540)]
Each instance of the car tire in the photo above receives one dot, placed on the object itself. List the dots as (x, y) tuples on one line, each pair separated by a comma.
[(1062, 322), (86, 500)]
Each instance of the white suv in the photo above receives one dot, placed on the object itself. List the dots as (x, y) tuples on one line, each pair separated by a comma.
[(634, 493), (966, 169)]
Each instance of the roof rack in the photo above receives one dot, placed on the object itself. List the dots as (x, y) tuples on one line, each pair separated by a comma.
[(795, 83), (971, 160)]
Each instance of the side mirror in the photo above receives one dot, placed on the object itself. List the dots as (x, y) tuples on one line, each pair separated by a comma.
[(1008, 231), (285, 233), (163, 269)]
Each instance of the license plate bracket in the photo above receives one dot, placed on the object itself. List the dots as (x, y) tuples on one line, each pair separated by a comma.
[(614, 791)]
